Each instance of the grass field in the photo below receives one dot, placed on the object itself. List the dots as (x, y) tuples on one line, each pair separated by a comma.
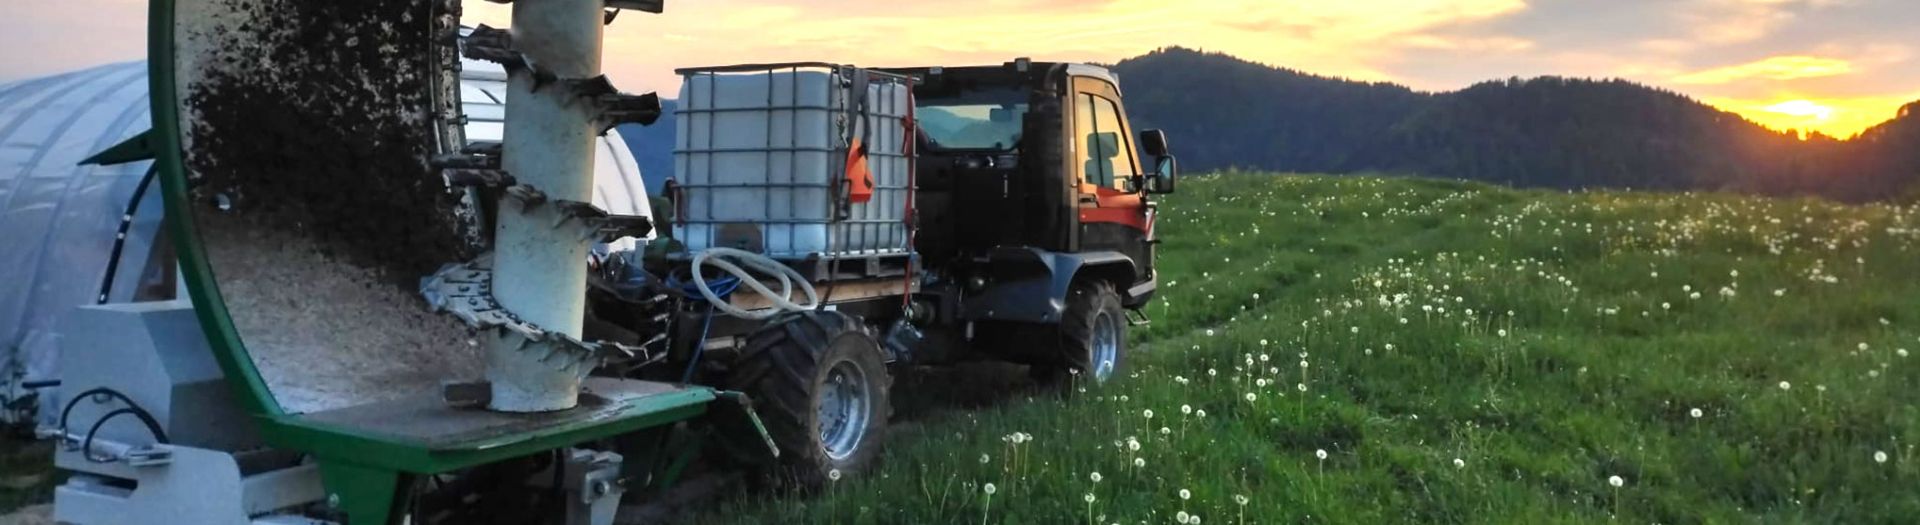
[(1366, 350)]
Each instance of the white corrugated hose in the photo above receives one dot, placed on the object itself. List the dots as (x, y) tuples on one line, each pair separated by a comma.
[(788, 277)]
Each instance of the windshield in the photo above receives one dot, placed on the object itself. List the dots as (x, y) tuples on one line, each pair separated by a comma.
[(980, 119)]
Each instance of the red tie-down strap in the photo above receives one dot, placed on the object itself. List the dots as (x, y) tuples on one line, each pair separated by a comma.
[(910, 147)]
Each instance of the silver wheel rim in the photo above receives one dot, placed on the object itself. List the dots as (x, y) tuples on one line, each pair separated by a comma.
[(845, 409), (1106, 346)]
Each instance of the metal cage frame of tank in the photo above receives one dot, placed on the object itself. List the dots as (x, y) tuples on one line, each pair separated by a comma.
[(868, 222)]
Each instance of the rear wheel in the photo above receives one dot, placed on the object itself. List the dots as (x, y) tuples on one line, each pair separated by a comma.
[(819, 384), (1093, 337)]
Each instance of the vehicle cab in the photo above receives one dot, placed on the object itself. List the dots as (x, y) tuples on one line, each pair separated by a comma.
[(1038, 156)]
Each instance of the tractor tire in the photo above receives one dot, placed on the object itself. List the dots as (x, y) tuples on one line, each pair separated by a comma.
[(1093, 338), (819, 383)]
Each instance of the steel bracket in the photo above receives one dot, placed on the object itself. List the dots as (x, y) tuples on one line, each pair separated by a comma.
[(650, 6), (465, 291), (598, 225), (477, 178), (614, 108), (492, 44)]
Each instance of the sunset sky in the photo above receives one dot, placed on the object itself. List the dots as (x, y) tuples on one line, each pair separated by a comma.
[(1836, 66)]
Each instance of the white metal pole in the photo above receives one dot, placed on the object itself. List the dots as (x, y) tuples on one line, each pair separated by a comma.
[(539, 269)]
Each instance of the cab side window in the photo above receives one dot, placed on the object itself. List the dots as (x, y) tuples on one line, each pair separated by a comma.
[(1105, 153)]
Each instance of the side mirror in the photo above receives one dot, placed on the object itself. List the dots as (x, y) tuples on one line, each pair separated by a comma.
[(1166, 168), (1154, 142)]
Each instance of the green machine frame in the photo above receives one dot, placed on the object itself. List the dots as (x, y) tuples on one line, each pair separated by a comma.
[(364, 470)]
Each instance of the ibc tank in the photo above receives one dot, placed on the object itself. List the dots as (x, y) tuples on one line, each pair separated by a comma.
[(760, 156)]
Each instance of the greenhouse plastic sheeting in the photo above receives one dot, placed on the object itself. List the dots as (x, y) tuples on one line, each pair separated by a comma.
[(58, 219)]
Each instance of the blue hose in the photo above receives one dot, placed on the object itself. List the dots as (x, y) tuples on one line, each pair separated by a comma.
[(722, 287)]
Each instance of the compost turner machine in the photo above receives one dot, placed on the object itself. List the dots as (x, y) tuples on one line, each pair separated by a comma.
[(391, 323)]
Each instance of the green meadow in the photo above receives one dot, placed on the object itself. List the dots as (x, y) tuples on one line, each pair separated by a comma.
[(1375, 350)]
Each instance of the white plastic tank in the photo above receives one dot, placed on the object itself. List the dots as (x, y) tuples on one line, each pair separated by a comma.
[(760, 157)]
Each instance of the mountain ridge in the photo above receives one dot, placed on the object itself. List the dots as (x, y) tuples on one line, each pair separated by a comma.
[(1554, 132)]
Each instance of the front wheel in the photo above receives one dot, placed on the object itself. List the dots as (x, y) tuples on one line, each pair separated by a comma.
[(1093, 337), (819, 384)]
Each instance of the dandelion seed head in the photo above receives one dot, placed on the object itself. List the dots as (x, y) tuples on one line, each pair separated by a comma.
[(1240, 499), (1459, 463), (1181, 517), (1185, 494), (1879, 456), (989, 489), (1139, 463), (1696, 413), (1320, 453), (1786, 386), (984, 459), (1094, 476), (1186, 409), (1616, 481), (1251, 397), (1089, 497)]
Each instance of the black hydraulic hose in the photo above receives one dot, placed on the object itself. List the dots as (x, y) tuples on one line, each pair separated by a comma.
[(146, 418), (86, 446), (120, 238)]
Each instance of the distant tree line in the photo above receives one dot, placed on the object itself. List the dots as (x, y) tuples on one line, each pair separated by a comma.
[(1547, 132)]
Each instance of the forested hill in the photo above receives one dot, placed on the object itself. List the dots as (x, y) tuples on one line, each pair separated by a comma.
[(1222, 111)]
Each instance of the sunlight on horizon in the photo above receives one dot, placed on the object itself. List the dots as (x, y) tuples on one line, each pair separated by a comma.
[(1836, 117)]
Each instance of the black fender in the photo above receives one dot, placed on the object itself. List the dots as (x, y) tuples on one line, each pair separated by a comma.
[(1031, 285)]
